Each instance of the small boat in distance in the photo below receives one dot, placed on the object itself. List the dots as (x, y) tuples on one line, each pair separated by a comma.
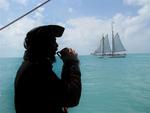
[(104, 49)]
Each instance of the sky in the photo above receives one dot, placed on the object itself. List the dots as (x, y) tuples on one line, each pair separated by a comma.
[(84, 20)]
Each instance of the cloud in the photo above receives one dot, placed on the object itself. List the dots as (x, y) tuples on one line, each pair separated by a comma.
[(137, 2), (38, 13), (12, 38), (84, 33), (4, 4), (70, 10)]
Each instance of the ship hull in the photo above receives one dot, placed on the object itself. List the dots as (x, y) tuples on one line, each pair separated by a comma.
[(111, 56)]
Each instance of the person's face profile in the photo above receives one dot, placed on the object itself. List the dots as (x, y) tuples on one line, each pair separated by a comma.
[(52, 45)]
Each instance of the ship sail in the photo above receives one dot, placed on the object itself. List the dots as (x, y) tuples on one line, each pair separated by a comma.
[(99, 50), (106, 46), (118, 46)]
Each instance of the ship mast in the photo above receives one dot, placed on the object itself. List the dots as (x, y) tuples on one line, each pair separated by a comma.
[(112, 38), (102, 44)]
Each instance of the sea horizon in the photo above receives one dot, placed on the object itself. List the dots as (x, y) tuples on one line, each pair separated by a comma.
[(132, 53)]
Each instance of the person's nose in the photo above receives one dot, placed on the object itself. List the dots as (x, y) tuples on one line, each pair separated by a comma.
[(56, 45)]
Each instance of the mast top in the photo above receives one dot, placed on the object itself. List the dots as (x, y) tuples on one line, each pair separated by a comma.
[(112, 28)]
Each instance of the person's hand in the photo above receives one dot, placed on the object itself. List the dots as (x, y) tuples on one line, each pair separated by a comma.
[(68, 52), (68, 55)]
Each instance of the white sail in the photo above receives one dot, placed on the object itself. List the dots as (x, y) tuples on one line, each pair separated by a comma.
[(99, 50), (118, 46), (106, 46)]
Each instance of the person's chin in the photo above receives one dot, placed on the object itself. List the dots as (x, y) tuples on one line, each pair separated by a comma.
[(53, 59)]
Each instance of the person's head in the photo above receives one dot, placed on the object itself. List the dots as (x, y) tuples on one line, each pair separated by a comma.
[(41, 43)]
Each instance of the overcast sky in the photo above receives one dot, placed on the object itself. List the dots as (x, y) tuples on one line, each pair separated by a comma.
[(85, 22)]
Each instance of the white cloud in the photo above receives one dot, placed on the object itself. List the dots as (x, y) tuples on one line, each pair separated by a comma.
[(12, 38), (70, 10), (38, 14), (137, 2), (84, 33), (4, 4)]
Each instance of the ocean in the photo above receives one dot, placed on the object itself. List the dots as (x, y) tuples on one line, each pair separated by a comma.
[(109, 85)]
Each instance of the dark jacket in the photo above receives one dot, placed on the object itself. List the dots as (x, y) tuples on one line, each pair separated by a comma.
[(39, 90)]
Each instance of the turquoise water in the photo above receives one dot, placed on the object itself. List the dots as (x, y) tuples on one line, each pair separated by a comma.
[(109, 85)]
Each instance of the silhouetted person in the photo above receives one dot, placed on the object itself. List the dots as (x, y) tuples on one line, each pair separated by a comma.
[(37, 88)]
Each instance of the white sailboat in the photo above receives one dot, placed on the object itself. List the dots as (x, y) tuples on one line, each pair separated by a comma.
[(104, 49)]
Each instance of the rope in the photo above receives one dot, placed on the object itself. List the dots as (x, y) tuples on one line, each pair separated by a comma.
[(24, 15)]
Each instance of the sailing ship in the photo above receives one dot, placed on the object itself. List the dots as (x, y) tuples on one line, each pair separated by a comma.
[(104, 49)]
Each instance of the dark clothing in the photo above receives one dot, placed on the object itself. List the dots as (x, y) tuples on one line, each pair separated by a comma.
[(39, 90)]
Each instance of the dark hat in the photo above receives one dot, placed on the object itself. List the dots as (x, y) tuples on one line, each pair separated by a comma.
[(47, 30), (39, 35)]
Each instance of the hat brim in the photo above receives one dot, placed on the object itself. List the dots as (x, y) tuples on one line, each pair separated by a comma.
[(47, 30), (55, 30)]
